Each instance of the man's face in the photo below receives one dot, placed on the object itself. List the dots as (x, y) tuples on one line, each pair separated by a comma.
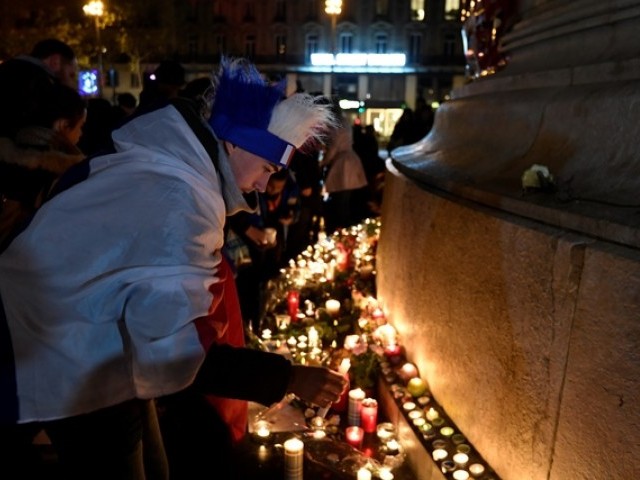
[(66, 71), (250, 171)]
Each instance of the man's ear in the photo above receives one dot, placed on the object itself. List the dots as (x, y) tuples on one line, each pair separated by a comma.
[(228, 147), (60, 125)]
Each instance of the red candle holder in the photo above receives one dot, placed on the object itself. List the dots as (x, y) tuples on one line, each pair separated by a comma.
[(354, 436), (369, 415), (293, 303)]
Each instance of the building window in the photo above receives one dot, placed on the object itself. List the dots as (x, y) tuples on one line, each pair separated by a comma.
[(346, 42), (415, 48), (250, 46), (311, 45), (281, 45), (417, 10), (380, 42), (281, 10), (452, 9), (449, 47)]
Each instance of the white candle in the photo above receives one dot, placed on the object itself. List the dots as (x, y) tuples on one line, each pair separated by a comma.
[(476, 469), (439, 454), (293, 459), (461, 459), (261, 429), (364, 474), (460, 475), (313, 337), (385, 473), (432, 414), (332, 306), (355, 403)]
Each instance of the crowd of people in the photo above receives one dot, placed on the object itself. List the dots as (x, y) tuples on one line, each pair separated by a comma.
[(136, 240)]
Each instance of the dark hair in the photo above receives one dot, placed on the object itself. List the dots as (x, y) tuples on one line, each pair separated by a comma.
[(127, 100), (51, 46), (62, 102)]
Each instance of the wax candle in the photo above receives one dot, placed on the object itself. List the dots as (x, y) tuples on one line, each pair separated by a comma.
[(293, 302), (476, 469), (369, 415), (393, 353), (439, 454), (461, 459), (460, 475), (446, 431), (432, 414), (364, 474), (408, 406), (392, 447), (385, 431), (354, 436), (385, 473), (261, 430), (293, 459), (332, 306), (313, 337), (355, 403)]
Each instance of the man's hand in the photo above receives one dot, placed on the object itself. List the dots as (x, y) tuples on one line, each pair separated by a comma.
[(317, 385)]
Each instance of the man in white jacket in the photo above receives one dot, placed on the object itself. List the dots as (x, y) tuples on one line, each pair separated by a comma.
[(110, 293)]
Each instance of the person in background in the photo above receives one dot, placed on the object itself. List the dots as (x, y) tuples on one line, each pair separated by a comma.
[(345, 180), (163, 84), (26, 80), (129, 297)]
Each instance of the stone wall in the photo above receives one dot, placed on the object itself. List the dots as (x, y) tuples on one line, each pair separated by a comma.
[(522, 309)]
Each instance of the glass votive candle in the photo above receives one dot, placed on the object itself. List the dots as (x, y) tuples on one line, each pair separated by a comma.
[(419, 422), (446, 431), (461, 459), (457, 439), (463, 448), (261, 430), (364, 474), (476, 469), (460, 475), (354, 436), (439, 443), (423, 401), (408, 406), (439, 454), (432, 414), (413, 414), (385, 473), (369, 415), (437, 422), (386, 431), (392, 447), (293, 459), (447, 466)]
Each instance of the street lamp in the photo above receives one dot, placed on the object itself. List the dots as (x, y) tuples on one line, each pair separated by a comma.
[(95, 9), (333, 8)]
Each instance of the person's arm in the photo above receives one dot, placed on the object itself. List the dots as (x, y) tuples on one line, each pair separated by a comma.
[(265, 377)]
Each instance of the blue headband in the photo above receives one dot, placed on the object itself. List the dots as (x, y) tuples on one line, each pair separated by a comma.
[(260, 142)]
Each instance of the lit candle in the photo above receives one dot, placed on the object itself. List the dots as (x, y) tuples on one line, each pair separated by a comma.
[(369, 415), (293, 459), (293, 302), (332, 306), (439, 454), (460, 475), (393, 353), (351, 341), (385, 431), (385, 473), (261, 430), (392, 447), (413, 414), (461, 459), (355, 403), (432, 414), (266, 334), (408, 406), (313, 337), (446, 431), (354, 436), (476, 469), (419, 422), (364, 474)]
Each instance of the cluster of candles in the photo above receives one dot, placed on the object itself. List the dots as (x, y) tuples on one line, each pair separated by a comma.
[(448, 447)]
